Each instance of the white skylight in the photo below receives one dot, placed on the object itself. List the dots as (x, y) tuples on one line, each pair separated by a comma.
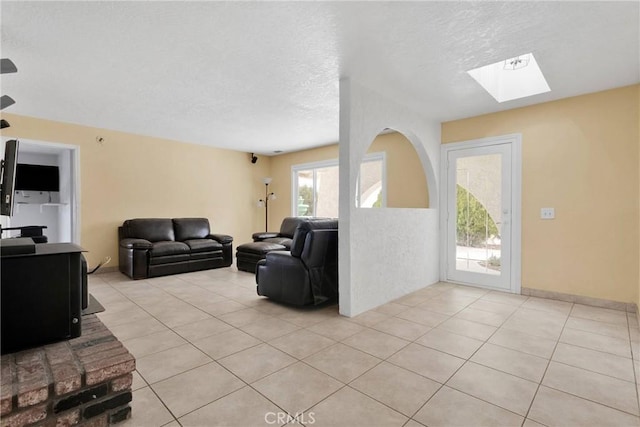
[(513, 78)]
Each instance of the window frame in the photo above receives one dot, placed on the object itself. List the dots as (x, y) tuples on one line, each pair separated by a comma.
[(373, 157), (314, 166)]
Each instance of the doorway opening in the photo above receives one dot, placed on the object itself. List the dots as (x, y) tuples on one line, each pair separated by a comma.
[(58, 211)]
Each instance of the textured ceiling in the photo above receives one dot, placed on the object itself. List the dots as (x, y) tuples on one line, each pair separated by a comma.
[(263, 76)]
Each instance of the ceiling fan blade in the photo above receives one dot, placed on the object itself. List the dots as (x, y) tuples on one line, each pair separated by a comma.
[(6, 101), (7, 66), (4, 124)]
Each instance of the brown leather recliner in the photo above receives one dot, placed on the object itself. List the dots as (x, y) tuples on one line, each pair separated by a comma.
[(308, 274)]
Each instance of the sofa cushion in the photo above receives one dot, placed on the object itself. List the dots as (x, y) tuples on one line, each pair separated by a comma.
[(151, 229), (203, 245), (303, 229), (216, 255), (284, 241), (169, 248), (190, 228), (159, 260), (259, 248)]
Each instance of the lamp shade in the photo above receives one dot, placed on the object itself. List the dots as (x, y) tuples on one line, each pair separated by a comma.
[(267, 180)]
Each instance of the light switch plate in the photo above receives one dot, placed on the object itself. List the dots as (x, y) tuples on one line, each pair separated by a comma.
[(547, 213)]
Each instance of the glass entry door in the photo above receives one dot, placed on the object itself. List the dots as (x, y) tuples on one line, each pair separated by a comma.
[(479, 204)]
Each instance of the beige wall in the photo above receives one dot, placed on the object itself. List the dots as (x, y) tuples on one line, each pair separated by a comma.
[(281, 185), (132, 176), (406, 182), (580, 156)]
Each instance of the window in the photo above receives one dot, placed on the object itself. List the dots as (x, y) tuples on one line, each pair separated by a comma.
[(371, 186), (315, 186)]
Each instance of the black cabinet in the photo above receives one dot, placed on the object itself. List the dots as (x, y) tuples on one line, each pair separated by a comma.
[(43, 294)]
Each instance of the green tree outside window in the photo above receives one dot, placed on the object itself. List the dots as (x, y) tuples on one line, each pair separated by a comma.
[(474, 224)]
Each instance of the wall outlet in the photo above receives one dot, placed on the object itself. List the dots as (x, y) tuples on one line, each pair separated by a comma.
[(547, 213)]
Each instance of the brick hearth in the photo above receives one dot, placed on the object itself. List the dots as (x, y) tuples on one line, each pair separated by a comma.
[(85, 381)]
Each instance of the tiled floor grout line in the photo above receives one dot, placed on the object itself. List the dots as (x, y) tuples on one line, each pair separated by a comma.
[(386, 360), (215, 361), (633, 362), (272, 373), (212, 361), (241, 298), (147, 382), (453, 374), (344, 385), (150, 385), (213, 316), (172, 328), (246, 384), (593, 401), (599, 321), (592, 371), (557, 342), (593, 349), (473, 354), (383, 360), (548, 363), (188, 370), (461, 366), (592, 331)]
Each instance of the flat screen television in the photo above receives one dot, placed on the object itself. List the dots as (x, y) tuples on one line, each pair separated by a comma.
[(37, 178), (7, 186)]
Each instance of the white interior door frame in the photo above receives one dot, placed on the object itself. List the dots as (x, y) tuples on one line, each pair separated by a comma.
[(74, 151), (515, 140)]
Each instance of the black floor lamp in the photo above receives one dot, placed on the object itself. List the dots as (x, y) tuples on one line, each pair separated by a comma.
[(265, 202)]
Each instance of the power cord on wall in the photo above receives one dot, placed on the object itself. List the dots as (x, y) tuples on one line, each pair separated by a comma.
[(105, 261)]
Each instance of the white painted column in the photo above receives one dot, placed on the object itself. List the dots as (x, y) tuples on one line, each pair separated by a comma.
[(388, 252)]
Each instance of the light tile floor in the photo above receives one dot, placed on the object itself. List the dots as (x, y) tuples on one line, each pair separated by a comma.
[(210, 352)]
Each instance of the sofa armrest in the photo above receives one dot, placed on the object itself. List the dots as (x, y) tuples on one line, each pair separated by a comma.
[(258, 237), (133, 257), (221, 238), (131, 243)]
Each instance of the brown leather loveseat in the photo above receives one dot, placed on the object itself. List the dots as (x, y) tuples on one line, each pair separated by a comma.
[(150, 247)]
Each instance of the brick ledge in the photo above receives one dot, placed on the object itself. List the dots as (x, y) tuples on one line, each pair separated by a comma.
[(69, 382)]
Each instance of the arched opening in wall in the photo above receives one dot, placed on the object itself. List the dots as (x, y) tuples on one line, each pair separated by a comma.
[(391, 174)]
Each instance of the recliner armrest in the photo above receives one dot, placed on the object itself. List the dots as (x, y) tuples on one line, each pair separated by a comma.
[(221, 238), (283, 257), (131, 243), (257, 237)]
